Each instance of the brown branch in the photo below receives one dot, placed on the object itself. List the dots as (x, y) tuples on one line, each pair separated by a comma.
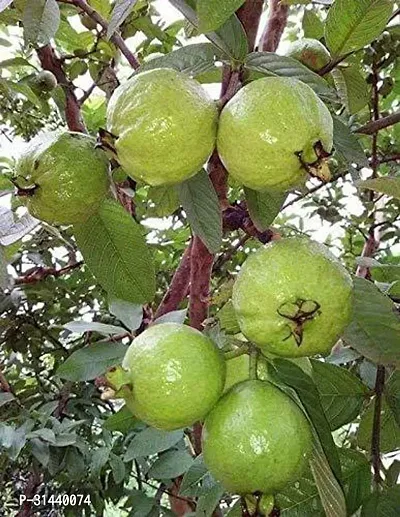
[(200, 273), (376, 425), (386, 159), (276, 23), (40, 273), (249, 15), (33, 483), (116, 38), (4, 385), (332, 64), (51, 62), (382, 123), (178, 288)]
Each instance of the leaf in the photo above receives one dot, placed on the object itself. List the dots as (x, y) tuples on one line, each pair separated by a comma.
[(352, 24), (115, 250), (329, 490), (293, 376), (227, 319), (122, 421), (374, 330), (26, 91), (193, 476), (6, 397), (341, 393), (192, 59), (4, 4), (170, 465), (79, 327), (264, 206), (389, 429), (271, 64), (386, 185), (165, 200), (352, 88), (356, 478), (347, 144), (12, 230), (383, 504), (392, 394), (313, 27), (41, 20), (12, 439), (213, 13), (121, 11), (200, 202), (118, 468), (99, 459), (172, 317), (91, 361), (45, 434), (131, 315), (16, 61), (207, 503), (40, 451), (151, 441)]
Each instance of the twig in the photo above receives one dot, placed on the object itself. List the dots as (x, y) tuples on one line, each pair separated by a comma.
[(386, 159), (276, 23), (200, 273), (332, 64), (115, 38), (40, 273), (4, 385), (377, 125), (376, 426)]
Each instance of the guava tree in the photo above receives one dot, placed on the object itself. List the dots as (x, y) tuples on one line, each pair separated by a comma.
[(268, 389)]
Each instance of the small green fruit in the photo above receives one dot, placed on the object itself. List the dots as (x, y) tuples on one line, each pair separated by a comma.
[(310, 52), (273, 132), (62, 178), (165, 124), (44, 82), (293, 298), (177, 375), (88, 22), (256, 439)]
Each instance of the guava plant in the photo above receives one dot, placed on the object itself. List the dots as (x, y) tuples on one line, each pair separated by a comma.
[(199, 258)]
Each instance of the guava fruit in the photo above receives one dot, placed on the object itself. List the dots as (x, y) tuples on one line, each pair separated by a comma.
[(273, 132), (256, 439), (44, 82), (62, 178), (311, 52), (165, 126), (293, 298), (177, 375)]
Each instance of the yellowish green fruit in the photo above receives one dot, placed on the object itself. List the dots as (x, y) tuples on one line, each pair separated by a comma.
[(165, 124), (293, 298), (62, 178), (273, 132), (177, 375), (44, 82), (311, 52), (256, 439)]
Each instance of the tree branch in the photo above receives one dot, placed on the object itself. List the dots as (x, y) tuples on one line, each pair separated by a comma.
[(276, 23), (200, 273), (377, 125), (116, 38), (40, 273), (249, 15), (51, 62)]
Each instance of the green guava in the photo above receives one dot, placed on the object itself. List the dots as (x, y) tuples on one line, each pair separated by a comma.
[(256, 439), (310, 52), (274, 131), (165, 124), (44, 82), (177, 375), (293, 298), (62, 178)]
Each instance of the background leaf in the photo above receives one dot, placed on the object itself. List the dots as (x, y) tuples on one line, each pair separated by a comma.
[(264, 206), (93, 326), (383, 504), (121, 11), (151, 441), (41, 21), (171, 464), (352, 88), (385, 185), (313, 26), (130, 314), (347, 144), (213, 13)]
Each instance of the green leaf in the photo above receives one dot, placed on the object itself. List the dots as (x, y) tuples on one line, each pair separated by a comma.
[(26, 91), (347, 144), (200, 202), (392, 394), (117, 467), (352, 24), (227, 318), (122, 421), (121, 11), (213, 13), (207, 502), (40, 451), (165, 200), (271, 64), (172, 317), (375, 329), (99, 459), (341, 393), (356, 478), (329, 490), (264, 206), (91, 361), (192, 59), (193, 476), (16, 61), (41, 20), (390, 430), (79, 327), (386, 185), (130, 314), (313, 26), (383, 504), (292, 375), (5, 398), (151, 441), (115, 250), (352, 88), (4, 4), (171, 464), (75, 464)]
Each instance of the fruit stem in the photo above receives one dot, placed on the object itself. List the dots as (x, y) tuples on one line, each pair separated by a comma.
[(253, 364), (241, 350)]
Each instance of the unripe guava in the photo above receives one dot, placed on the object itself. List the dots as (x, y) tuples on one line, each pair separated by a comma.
[(88, 22), (310, 52), (256, 439), (45, 81), (293, 298), (271, 131), (165, 124), (62, 178), (177, 375)]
